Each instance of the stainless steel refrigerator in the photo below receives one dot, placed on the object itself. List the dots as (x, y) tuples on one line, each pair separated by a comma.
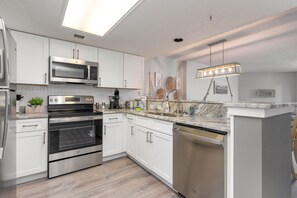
[(7, 114)]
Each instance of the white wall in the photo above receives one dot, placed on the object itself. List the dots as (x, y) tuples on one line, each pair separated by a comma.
[(284, 84), (100, 94), (167, 67), (197, 88)]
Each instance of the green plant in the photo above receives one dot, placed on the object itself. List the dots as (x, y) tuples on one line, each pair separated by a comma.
[(34, 102)]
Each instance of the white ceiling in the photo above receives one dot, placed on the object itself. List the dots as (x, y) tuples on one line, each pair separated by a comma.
[(151, 27)]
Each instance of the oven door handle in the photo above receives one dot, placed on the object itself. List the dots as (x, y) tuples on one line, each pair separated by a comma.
[(74, 119)]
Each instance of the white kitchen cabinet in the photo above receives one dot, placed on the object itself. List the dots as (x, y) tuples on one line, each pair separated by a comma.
[(110, 73), (87, 53), (31, 155), (113, 135), (72, 50), (154, 145), (143, 146), (133, 71), (62, 48), (162, 155), (130, 134), (32, 58)]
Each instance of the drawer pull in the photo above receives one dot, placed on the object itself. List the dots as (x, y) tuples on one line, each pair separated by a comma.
[(104, 129), (112, 118), (30, 125)]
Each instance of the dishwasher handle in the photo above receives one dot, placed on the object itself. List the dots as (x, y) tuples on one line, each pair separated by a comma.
[(200, 137)]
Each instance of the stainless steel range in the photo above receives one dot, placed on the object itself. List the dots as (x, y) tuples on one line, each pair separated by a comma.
[(75, 134)]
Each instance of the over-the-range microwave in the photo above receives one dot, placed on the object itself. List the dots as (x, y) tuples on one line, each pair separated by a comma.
[(64, 70)]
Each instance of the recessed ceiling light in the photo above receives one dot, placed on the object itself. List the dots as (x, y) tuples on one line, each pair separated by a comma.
[(178, 40), (96, 16)]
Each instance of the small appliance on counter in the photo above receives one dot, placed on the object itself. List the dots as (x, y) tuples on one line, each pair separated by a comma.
[(18, 99), (114, 100)]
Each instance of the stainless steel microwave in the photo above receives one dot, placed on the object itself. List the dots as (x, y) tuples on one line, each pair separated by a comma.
[(63, 70)]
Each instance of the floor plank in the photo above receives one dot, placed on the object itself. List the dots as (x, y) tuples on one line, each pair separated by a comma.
[(114, 179)]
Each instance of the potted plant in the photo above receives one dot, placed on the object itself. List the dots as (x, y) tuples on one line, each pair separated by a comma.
[(35, 105)]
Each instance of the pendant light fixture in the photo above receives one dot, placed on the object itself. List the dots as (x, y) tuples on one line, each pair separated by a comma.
[(223, 70)]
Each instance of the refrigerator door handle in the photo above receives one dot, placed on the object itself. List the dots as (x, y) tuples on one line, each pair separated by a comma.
[(1, 64), (5, 128), (5, 57)]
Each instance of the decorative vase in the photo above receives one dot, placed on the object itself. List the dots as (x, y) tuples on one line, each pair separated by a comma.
[(37, 109)]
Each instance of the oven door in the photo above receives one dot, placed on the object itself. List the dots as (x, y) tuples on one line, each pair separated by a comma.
[(70, 136)]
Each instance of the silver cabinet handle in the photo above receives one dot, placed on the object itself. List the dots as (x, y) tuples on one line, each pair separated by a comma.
[(147, 134), (112, 118), (125, 83), (73, 53), (99, 81), (132, 128), (151, 141), (30, 125), (5, 128), (77, 54), (45, 78), (104, 129), (44, 138)]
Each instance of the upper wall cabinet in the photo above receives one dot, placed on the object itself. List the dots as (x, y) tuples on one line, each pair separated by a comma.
[(71, 50), (110, 69), (32, 58), (133, 71)]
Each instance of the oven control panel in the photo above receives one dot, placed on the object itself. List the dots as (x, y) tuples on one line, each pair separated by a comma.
[(57, 100)]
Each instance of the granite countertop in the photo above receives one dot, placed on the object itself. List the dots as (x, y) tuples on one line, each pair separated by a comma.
[(256, 105), (211, 123), (22, 116)]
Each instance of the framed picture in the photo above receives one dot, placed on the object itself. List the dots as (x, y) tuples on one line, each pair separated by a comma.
[(219, 88), (158, 79)]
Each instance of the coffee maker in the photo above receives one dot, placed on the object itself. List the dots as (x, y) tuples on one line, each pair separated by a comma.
[(114, 100)]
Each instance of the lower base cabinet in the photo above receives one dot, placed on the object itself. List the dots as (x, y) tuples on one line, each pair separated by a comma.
[(142, 146), (113, 138), (162, 155), (154, 150), (31, 153)]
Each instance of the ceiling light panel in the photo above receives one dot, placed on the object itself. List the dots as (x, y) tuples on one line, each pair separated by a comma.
[(97, 16)]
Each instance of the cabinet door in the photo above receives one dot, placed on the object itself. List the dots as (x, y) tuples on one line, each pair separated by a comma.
[(133, 71), (162, 152), (86, 53), (130, 139), (142, 146), (31, 153), (110, 68), (32, 58), (112, 139), (62, 48)]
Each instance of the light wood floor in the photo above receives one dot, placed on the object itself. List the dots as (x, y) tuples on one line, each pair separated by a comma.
[(120, 178)]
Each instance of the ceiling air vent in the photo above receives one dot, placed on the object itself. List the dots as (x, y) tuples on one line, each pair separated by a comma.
[(79, 36)]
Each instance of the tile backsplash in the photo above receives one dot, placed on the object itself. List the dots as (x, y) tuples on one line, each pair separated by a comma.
[(100, 94)]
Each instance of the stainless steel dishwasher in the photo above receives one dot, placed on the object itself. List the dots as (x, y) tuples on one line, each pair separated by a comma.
[(199, 162)]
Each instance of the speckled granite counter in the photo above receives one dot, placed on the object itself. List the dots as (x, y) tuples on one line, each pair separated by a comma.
[(211, 123), (256, 105), (31, 116)]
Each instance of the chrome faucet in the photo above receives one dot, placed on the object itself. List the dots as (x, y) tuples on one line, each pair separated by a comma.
[(166, 98)]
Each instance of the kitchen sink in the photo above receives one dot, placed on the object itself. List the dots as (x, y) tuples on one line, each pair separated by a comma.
[(163, 114)]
